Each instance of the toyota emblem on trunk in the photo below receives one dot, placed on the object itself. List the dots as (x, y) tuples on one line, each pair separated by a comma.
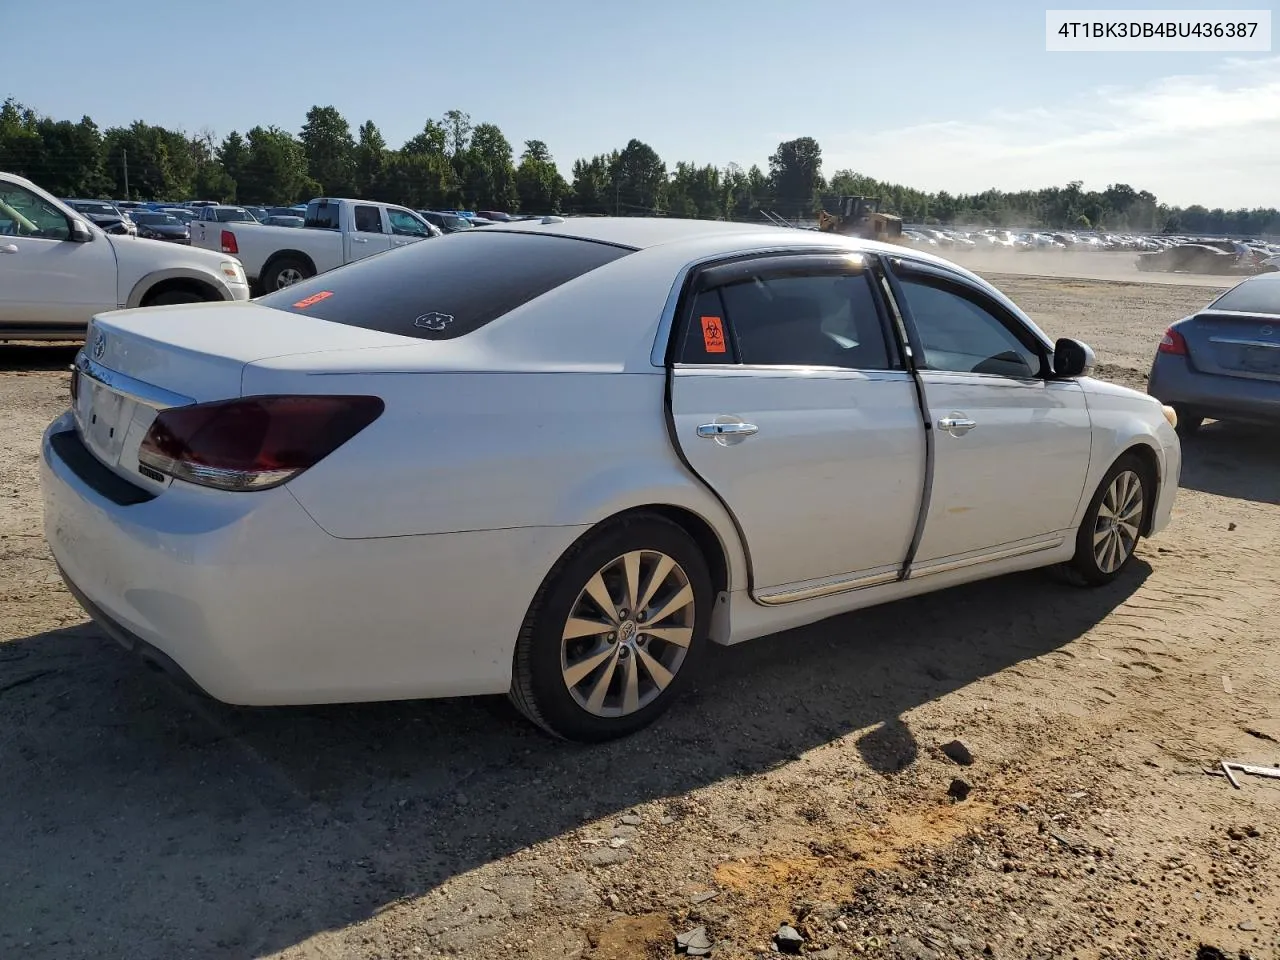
[(1268, 331), (99, 345)]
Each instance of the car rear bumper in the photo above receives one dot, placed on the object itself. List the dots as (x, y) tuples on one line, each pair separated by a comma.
[(1174, 381), (244, 594)]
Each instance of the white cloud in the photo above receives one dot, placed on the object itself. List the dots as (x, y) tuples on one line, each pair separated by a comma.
[(1212, 139)]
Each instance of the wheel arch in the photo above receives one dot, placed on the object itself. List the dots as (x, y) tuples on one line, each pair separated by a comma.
[(289, 254), (1146, 454), (710, 542), (176, 278)]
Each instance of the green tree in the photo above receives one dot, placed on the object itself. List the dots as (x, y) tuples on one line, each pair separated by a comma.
[(330, 150), (539, 184), (639, 179), (457, 128), (433, 139), (233, 154), (275, 169), (370, 158), (489, 176), (795, 174), (592, 189)]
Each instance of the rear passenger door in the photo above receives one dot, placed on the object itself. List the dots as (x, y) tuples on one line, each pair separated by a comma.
[(790, 400), (370, 234)]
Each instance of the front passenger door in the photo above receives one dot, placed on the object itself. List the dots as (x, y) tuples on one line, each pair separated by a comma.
[(1011, 446)]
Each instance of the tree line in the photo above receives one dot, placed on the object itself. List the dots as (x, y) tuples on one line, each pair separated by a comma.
[(454, 163)]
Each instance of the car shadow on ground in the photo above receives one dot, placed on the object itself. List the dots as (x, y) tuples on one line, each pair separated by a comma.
[(142, 820), (1233, 460), (43, 356)]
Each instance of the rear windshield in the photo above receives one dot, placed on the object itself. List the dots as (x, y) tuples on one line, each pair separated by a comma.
[(446, 288), (1251, 296), (233, 215)]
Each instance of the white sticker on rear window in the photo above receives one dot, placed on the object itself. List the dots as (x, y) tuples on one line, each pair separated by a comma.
[(433, 321)]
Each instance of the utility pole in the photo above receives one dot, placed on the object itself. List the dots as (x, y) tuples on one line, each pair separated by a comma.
[(125, 155)]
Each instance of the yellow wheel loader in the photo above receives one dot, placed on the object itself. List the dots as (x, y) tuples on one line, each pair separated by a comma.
[(859, 217)]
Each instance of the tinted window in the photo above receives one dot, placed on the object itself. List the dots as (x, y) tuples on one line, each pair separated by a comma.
[(322, 215), (406, 224), (154, 218), (827, 320), (447, 288), (959, 334), (1252, 296), (368, 220), (706, 337), (233, 215)]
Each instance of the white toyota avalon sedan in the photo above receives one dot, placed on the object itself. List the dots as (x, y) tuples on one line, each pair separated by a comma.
[(558, 458)]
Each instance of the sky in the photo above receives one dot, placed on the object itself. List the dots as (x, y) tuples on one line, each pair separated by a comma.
[(958, 96)]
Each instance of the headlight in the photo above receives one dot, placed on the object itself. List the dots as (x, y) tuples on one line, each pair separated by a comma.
[(232, 270), (1171, 415)]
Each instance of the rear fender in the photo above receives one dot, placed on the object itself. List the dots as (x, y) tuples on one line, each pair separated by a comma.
[(652, 482)]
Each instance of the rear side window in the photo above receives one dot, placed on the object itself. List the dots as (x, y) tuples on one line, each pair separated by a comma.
[(1251, 296), (368, 220), (447, 288)]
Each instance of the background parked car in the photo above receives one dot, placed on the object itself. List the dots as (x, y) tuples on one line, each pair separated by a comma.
[(106, 216), (1224, 361), (161, 226), (57, 269), (447, 222)]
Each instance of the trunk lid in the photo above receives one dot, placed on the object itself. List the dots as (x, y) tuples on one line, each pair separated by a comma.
[(136, 363), (1234, 344)]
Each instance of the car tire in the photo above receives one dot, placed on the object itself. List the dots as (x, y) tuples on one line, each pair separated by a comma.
[(1189, 422), (285, 272), (595, 686), (172, 297), (1113, 524)]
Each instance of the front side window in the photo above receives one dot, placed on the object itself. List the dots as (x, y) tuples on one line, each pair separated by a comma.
[(23, 214), (961, 335), (405, 224)]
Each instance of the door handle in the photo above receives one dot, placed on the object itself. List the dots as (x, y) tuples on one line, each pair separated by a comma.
[(956, 424), (359, 240), (712, 431), (9, 248)]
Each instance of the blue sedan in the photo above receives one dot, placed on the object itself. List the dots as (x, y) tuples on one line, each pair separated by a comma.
[(1224, 362)]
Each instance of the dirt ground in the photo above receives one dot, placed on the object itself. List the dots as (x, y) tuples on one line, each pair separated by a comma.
[(802, 783)]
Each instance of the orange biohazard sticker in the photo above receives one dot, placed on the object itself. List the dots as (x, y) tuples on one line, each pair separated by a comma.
[(314, 299), (713, 335)]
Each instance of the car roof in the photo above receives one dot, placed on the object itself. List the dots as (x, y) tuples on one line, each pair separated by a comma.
[(643, 232)]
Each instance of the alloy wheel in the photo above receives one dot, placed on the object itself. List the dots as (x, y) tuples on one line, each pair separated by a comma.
[(627, 634), (1115, 531)]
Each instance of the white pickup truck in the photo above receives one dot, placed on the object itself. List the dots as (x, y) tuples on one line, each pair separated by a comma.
[(57, 269), (334, 232)]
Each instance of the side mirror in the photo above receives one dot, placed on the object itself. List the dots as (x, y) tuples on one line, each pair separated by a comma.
[(1071, 358), (79, 232)]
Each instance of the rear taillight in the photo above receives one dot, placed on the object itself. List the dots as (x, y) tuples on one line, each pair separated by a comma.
[(255, 442), (229, 244), (1173, 342)]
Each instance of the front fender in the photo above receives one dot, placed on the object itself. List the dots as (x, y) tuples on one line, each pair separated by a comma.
[(149, 280), (1122, 420)]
